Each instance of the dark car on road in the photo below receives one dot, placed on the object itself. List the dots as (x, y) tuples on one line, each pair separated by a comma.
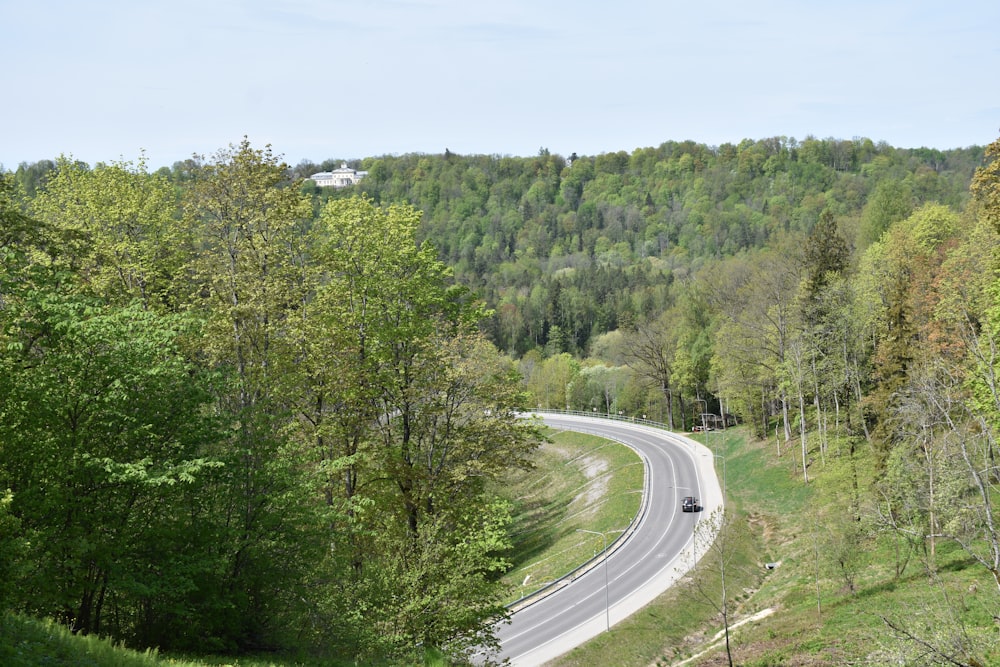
[(690, 504)]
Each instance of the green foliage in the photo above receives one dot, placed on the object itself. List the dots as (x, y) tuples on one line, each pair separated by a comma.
[(890, 202), (271, 412), (16, 229), (409, 413), (28, 643), (826, 253), (113, 225), (986, 185), (13, 547), (549, 380), (169, 471), (101, 442), (245, 279), (606, 225), (931, 225)]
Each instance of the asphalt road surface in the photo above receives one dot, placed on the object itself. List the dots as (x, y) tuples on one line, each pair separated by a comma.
[(644, 563)]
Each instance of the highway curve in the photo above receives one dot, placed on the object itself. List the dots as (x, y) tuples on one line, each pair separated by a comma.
[(642, 564)]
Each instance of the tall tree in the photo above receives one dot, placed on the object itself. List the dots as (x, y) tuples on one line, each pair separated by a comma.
[(693, 357), (826, 255), (114, 226), (649, 351), (985, 186), (890, 202), (755, 297), (16, 229), (246, 278), (103, 432), (409, 413)]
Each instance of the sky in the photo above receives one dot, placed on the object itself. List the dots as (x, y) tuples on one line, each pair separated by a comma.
[(110, 80)]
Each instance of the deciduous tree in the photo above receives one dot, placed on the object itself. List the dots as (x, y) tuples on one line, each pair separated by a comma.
[(114, 226), (245, 219), (103, 432)]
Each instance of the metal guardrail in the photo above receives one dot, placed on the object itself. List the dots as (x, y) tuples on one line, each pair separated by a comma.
[(604, 415)]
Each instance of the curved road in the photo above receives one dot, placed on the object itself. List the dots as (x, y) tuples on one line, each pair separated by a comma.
[(641, 565)]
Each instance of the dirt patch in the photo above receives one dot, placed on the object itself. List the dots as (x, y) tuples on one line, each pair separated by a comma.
[(593, 469), (762, 524), (562, 452), (710, 652)]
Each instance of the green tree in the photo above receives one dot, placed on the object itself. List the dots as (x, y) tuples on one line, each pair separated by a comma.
[(32, 176), (826, 255), (907, 264), (550, 381), (103, 432), (247, 277), (755, 297), (17, 230), (890, 202), (693, 357), (409, 414), (649, 351), (985, 186), (13, 547), (603, 385), (114, 227)]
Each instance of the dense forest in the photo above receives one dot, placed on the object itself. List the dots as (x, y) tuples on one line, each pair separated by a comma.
[(632, 263), (231, 425), (235, 403)]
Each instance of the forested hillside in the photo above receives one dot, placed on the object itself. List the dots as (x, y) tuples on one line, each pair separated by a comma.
[(585, 244), (223, 355), (633, 258)]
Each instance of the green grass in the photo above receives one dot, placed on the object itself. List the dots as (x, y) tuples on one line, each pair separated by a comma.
[(682, 620), (26, 642), (579, 482)]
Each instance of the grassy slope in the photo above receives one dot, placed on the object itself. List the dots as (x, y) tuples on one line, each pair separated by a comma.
[(27, 642), (818, 619), (579, 482)]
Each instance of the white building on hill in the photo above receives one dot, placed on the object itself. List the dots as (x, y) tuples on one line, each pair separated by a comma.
[(338, 178)]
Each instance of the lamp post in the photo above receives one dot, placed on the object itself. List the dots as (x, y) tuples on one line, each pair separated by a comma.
[(607, 600), (723, 457)]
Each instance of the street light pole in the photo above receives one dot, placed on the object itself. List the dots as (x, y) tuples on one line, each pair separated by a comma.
[(723, 457), (607, 599)]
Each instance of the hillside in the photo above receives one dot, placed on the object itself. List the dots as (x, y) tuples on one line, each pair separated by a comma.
[(242, 413), (588, 243)]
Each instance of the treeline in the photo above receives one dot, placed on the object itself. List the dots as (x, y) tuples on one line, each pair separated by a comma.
[(623, 257), (587, 243), (231, 421)]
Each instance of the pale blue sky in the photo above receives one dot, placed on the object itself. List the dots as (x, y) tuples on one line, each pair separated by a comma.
[(103, 80)]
